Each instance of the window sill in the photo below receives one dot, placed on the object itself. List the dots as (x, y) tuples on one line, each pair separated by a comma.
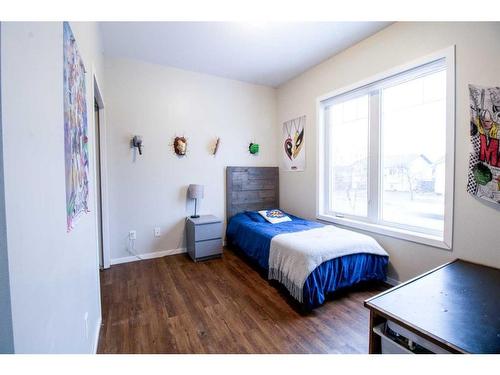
[(421, 238)]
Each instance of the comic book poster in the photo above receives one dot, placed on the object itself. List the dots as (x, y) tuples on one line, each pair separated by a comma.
[(76, 154), (484, 162), (293, 141)]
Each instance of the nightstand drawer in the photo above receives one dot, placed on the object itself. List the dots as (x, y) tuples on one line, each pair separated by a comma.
[(208, 248), (208, 231)]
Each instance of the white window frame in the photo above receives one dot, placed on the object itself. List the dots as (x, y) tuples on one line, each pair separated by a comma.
[(374, 162)]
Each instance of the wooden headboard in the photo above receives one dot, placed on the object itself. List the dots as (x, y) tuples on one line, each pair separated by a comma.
[(251, 189)]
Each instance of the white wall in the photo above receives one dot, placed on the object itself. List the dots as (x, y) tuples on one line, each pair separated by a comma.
[(158, 103), (53, 274), (476, 224)]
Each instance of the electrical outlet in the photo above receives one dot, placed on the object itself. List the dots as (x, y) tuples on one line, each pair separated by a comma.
[(157, 232), (132, 235)]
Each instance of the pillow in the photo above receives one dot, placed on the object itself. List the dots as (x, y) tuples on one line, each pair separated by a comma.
[(254, 216), (274, 216)]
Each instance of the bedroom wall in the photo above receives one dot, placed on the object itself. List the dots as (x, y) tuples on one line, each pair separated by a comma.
[(158, 102), (54, 279), (477, 54)]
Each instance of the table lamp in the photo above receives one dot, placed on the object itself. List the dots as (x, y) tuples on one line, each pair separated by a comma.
[(195, 192)]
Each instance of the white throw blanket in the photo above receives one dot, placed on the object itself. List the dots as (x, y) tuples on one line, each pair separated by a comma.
[(293, 256)]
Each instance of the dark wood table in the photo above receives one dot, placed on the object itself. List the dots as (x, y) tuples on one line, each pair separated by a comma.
[(455, 306)]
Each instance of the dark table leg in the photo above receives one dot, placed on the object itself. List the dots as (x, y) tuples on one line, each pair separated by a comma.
[(375, 344)]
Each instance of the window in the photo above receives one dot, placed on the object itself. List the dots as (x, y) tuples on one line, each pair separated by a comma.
[(349, 156), (386, 153)]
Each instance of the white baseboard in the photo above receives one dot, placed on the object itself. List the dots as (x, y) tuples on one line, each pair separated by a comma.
[(156, 254), (96, 338), (391, 281)]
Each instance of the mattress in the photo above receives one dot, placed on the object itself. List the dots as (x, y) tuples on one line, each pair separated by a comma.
[(253, 237)]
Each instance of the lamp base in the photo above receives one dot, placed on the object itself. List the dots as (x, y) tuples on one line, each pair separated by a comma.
[(195, 216)]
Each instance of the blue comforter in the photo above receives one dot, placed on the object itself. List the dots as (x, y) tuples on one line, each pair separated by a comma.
[(253, 236)]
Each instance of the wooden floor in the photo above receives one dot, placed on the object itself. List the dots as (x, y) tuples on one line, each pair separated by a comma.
[(173, 305)]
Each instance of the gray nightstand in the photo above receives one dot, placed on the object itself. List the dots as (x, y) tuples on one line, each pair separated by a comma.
[(204, 237)]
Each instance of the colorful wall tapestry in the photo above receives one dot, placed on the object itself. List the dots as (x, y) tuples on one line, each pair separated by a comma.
[(76, 153), (484, 162), (293, 141)]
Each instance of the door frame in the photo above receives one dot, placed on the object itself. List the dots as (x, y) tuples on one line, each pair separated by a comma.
[(97, 94)]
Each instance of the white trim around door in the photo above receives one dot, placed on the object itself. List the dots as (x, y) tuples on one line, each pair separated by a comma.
[(106, 258)]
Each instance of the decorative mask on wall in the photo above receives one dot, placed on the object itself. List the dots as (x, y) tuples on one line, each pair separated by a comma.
[(180, 146), (253, 148), (137, 143), (216, 146)]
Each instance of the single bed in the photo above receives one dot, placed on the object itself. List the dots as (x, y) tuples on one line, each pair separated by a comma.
[(249, 189)]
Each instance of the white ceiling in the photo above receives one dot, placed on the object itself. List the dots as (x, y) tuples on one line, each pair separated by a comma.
[(263, 53)]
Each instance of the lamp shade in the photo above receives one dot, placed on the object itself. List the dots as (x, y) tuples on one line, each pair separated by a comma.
[(195, 191)]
